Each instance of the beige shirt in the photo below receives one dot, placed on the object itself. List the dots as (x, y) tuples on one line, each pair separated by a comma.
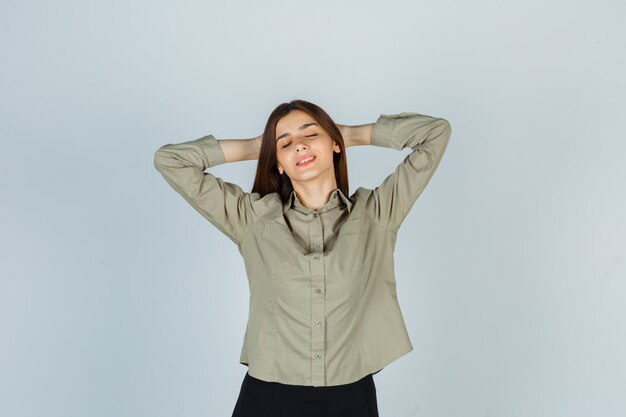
[(323, 305)]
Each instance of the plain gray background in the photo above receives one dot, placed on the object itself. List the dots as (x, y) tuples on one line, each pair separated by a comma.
[(118, 299)]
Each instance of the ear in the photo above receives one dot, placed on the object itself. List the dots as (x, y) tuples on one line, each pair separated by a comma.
[(336, 147), (280, 168)]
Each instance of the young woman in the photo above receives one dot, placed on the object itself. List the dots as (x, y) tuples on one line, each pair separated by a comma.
[(324, 315)]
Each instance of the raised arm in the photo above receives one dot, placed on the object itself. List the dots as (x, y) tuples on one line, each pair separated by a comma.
[(223, 203), (356, 135), (240, 149), (427, 137)]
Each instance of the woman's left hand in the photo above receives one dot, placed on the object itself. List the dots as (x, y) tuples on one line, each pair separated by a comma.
[(345, 133)]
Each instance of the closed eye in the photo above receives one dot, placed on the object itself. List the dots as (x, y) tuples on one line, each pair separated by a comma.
[(308, 136)]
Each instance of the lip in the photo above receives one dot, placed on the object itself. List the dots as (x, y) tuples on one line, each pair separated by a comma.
[(308, 163)]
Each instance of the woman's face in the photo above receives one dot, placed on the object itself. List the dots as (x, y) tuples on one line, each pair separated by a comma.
[(298, 137)]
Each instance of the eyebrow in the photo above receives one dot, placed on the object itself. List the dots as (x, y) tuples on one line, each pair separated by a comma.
[(304, 126)]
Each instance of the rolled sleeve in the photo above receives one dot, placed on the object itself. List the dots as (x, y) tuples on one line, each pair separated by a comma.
[(427, 137), (223, 203)]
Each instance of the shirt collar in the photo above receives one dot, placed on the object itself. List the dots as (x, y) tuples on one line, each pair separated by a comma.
[(337, 198)]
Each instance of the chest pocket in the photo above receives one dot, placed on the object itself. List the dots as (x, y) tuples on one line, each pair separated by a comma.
[(279, 250), (351, 246)]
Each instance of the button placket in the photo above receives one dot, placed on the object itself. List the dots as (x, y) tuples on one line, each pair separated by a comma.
[(318, 338)]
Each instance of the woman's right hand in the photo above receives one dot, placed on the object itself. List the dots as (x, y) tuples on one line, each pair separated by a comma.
[(256, 141)]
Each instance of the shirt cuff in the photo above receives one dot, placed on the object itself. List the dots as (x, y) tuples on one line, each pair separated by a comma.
[(387, 131), (212, 150)]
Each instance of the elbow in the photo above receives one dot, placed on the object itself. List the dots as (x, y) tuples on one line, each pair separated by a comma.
[(160, 158), (446, 125), (444, 128)]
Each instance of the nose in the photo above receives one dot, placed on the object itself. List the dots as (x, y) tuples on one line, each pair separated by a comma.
[(300, 144)]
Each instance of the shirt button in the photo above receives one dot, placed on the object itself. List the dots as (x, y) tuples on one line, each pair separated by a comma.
[(317, 356), (318, 291), (314, 214), (318, 323), (317, 246), (317, 258)]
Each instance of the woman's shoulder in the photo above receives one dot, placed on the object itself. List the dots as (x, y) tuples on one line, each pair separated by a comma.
[(265, 204)]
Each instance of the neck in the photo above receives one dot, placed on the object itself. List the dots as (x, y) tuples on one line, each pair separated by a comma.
[(314, 195)]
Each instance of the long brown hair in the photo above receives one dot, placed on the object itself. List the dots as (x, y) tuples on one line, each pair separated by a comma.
[(268, 179)]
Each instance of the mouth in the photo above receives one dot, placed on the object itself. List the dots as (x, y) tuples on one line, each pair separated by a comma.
[(306, 162)]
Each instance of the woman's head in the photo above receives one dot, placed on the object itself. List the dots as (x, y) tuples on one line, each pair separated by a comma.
[(294, 131)]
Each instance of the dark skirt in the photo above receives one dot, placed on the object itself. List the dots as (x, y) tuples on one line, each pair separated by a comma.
[(259, 398)]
